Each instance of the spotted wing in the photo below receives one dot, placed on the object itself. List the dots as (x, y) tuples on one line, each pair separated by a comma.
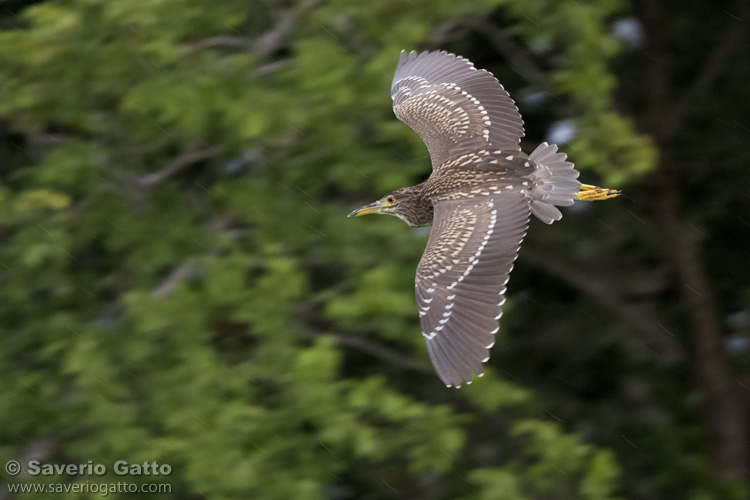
[(454, 107), (461, 279)]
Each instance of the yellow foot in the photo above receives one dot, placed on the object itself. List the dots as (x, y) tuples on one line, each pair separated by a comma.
[(593, 193)]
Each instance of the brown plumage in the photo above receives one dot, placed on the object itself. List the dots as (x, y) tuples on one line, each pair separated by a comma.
[(478, 199)]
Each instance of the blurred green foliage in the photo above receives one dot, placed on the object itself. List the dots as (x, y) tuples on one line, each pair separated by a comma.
[(180, 283)]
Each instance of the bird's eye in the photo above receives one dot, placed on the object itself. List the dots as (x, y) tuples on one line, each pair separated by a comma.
[(390, 200)]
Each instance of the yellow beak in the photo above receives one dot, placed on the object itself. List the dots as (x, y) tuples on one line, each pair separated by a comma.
[(372, 208)]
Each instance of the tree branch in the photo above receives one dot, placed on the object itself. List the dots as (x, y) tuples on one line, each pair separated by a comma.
[(516, 56), (274, 39), (181, 273), (267, 43), (657, 79), (446, 32), (183, 161), (232, 42), (384, 353), (721, 408), (273, 67), (714, 64), (190, 267), (668, 348)]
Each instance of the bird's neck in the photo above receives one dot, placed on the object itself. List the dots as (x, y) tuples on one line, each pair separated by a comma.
[(422, 213)]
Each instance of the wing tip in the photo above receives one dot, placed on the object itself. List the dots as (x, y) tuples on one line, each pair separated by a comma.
[(413, 55), (454, 374), (507, 124), (466, 378)]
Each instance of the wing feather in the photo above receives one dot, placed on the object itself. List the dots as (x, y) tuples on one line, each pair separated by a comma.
[(454, 107), (461, 279)]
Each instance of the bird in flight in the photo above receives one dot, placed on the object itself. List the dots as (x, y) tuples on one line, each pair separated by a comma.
[(478, 201)]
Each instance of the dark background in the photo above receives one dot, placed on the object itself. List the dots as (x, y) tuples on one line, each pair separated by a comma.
[(179, 282)]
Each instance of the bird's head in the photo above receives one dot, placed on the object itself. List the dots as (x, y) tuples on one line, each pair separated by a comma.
[(406, 203)]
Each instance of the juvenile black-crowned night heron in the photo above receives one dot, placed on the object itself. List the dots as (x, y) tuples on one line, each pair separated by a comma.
[(478, 200)]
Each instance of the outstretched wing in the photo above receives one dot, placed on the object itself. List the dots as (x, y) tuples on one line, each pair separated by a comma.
[(454, 107), (461, 279)]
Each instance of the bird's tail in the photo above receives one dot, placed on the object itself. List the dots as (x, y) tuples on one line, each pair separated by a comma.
[(555, 183)]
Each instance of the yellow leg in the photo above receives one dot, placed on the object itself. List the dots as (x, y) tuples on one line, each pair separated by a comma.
[(593, 193)]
